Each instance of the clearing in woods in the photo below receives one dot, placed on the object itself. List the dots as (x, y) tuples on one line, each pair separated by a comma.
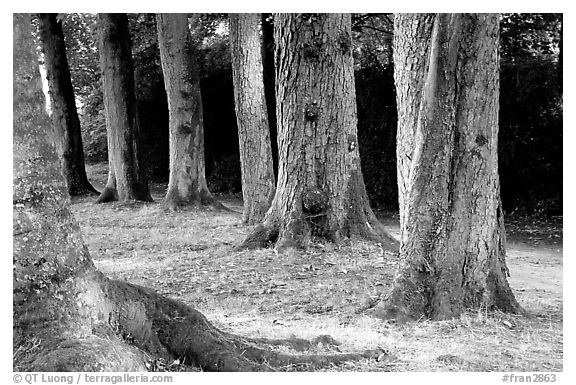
[(189, 255)]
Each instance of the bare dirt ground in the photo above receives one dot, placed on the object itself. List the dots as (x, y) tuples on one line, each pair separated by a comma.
[(189, 255)]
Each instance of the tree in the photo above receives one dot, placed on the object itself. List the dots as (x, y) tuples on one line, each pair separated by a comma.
[(126, 177), (67, 135), (67, 315), (258, 183), (320, 189), (187, 181), (452, 252), (267, 26)]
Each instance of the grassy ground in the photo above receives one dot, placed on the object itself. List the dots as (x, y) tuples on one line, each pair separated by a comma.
[(189, 256)]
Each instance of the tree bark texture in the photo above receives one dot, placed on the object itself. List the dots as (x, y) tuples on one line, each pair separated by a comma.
[(269, 82), (67, 135), (187, 180), (127, 178), (412, 33), (67, 316), (320, 189), (258, 182), (452, 249)]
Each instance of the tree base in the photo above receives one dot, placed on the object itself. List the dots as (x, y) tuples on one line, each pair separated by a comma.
[(86, 189), (297, 233), (174, 202), (107, 195), (111, 195), (407, 304)]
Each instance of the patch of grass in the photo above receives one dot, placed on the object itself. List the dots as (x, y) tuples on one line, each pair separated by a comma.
[(189, 255)]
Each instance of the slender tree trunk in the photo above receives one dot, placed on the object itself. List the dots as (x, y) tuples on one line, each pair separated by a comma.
[(187, 181), (560, 55), (320, 189), (269, 83), (67, 134), (412, 32), (258, 183), (452, 251), (127, 179), (67, 315)]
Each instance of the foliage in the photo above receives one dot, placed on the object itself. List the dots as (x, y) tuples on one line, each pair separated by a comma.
[(150, 94), (224, 175), (373, 34), (530, 143), (220, 127), (81, 46), (376, 100)]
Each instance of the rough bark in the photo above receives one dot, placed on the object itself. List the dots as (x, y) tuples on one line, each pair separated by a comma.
[(452, 252), (412, 34), (187, 180), (258, 183), (320, 189), (67, 135), (269, 82), (127, 178), (75, 318)]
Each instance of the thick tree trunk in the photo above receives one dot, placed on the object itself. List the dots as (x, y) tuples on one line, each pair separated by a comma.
[(67, 315), (269, 82), (258, 183), (320, 189), (187, 180), (67, 134), (127, 177), (452, 251)]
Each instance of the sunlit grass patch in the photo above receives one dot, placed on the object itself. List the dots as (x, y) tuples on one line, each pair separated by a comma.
[(190, 255)]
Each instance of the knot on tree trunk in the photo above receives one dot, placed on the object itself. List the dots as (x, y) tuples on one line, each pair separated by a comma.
[(314, 201)]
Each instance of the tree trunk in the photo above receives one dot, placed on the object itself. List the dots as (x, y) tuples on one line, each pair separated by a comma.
[(320, 189), (187, 181), (258, 183), (561, 56), (67, 134), (269, 83), (67, 316), (127, 179), (452, 250), (412, 33)]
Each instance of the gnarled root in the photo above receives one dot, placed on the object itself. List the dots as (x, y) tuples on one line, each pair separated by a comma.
[(131, 324)]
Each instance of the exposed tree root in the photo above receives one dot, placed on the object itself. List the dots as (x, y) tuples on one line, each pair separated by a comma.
[(107, 195), (129, 320), (260, 237)]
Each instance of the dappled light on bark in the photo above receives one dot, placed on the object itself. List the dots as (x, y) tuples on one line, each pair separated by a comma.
[(66, 124), (452, 253)]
